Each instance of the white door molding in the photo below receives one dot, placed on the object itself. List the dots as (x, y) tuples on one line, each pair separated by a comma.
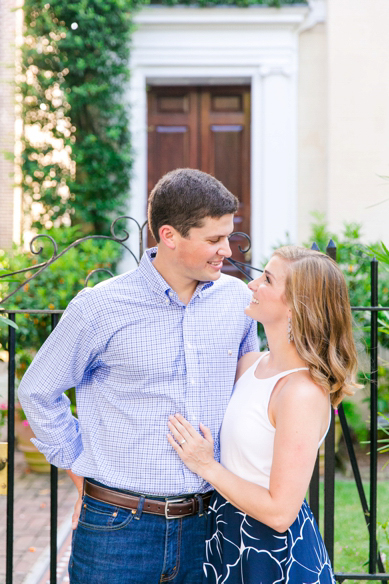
[(226, 45)]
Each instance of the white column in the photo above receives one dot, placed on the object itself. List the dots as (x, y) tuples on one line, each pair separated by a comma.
[(279, 152), (137, 206)]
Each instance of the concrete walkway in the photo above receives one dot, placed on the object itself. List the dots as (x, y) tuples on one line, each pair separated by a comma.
[(32, 522)]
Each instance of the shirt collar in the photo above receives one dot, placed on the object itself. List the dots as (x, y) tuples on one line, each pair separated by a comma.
[(155, 280)]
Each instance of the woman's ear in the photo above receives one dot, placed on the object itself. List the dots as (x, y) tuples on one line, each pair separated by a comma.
[(168, 235)]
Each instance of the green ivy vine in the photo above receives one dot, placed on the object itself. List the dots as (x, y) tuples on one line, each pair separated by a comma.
[(76, 157)]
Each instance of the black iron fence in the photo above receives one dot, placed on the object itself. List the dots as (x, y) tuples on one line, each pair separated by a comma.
[(369, 509)]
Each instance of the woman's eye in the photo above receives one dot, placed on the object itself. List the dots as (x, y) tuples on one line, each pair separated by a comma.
[(267, 279)]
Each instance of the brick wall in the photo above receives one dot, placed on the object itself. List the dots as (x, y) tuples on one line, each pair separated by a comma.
[(7, 119)]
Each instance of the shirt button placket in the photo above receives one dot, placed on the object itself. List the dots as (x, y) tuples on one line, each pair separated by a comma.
[(192, 373)]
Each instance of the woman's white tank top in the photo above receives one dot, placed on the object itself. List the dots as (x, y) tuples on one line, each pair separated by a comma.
[(247, 436)]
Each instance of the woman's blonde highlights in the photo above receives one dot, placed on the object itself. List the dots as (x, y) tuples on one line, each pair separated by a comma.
[(317, 294)]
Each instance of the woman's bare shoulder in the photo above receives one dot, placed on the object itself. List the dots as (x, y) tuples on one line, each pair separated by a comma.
[(300, 387), (245, 362)]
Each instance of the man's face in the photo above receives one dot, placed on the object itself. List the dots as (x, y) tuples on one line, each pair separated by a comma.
[(200, 255)]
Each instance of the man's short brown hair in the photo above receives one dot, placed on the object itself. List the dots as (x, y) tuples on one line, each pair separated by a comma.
[(183, 197)]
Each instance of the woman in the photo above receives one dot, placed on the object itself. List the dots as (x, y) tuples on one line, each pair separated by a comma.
[(261, 530)]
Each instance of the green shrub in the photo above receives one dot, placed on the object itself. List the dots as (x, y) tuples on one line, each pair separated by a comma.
[(54, 287), (70, 89)]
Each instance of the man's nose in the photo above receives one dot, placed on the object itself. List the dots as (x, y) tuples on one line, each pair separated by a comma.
[(225, 249)]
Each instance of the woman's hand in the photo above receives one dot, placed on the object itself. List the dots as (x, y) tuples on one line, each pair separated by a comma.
[(195, 451)]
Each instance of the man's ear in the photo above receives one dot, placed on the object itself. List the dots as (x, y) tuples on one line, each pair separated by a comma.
[(168, 236)]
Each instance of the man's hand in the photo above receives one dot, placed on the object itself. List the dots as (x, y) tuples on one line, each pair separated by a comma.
[(79, 482), (76, 513)]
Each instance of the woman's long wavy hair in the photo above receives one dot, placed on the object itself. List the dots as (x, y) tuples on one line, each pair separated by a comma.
[(317, 294)]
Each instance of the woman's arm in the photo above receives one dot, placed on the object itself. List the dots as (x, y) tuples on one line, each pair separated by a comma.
[(298, 415)]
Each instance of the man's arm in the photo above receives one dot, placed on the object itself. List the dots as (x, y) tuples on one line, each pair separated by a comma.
[(59, 365)]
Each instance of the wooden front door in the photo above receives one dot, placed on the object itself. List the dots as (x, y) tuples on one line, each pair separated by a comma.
[(206, 128)]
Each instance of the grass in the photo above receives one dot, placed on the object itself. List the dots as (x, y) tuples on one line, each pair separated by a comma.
[(351, 549)]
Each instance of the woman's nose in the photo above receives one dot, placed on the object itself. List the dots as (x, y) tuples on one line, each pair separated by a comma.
[(253, 285)]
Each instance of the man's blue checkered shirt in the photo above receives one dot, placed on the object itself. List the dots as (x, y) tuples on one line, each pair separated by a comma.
[(137, 354)]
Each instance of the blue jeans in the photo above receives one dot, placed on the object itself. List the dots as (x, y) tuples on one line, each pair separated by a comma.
[(115, 546)]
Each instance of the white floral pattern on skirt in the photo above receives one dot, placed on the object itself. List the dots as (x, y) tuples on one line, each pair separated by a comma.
[(242, 550)]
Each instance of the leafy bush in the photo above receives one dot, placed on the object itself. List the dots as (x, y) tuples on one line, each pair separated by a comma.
[(355, 420), (76, 157), (54, 287)]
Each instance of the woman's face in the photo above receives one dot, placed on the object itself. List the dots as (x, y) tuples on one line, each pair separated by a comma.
[(268, 304)]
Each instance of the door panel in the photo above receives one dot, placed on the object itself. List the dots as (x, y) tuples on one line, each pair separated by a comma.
[(206, 128), (225, 157), (172, 144), (172, 131)]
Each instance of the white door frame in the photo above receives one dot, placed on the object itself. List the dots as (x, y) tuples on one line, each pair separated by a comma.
[(186, 45)]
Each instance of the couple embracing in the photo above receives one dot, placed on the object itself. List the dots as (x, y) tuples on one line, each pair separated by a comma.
[(192, 451)]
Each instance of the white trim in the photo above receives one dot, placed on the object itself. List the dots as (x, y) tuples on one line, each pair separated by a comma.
[(317, 14), (256, 45), (221, 15)]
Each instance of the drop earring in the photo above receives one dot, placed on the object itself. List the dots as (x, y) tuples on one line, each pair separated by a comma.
[(290, 332)]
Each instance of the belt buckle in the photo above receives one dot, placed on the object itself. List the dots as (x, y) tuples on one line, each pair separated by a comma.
[(168, 501)]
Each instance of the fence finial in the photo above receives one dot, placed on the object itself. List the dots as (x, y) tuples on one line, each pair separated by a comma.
[(331, 249), (314, 246)]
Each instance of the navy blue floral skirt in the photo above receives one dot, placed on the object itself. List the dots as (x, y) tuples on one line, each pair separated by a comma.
[(242, 550)]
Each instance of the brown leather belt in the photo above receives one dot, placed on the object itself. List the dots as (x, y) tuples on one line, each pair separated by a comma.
[(173, 508)]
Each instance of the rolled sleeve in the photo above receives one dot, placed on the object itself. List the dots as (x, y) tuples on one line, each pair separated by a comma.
[(59, 365), (61, 455)]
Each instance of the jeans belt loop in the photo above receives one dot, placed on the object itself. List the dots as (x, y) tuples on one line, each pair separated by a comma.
[(200, 502), (139, 510)]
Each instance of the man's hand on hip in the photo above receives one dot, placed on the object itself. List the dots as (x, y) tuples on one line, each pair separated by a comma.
[(79, 482)]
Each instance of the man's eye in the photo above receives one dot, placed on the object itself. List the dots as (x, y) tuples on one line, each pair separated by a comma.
[(214, 240)]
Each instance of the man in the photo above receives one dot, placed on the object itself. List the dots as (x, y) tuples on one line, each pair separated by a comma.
[(161, 339)]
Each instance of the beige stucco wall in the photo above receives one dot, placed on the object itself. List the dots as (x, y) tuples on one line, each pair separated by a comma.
[(358, 115), (344, 118), (312, 127)]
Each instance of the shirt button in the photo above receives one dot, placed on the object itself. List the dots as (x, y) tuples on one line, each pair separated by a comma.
[(229, 352), (189, 346), (192, 381), (167, 301)]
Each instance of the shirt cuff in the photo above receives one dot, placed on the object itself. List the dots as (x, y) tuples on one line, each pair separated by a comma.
[(62, 456)]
